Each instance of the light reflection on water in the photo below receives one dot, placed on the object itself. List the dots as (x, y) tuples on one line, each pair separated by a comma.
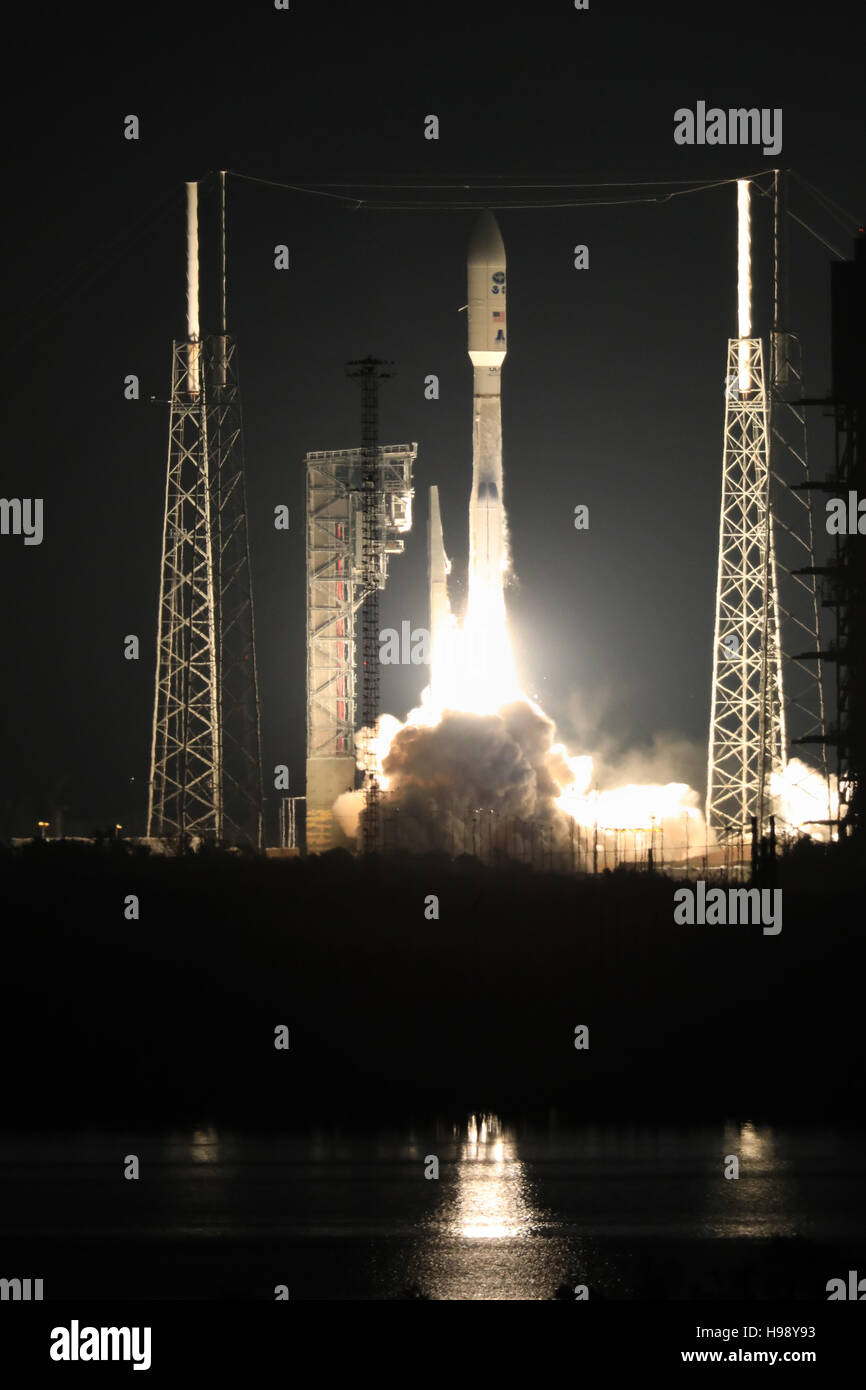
[(204, 1146), (478, 1242), (623, 1210), (492, 1199), (512, 1215), (763, 1201)]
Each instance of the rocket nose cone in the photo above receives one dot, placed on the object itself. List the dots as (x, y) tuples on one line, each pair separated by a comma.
[(486, 245)]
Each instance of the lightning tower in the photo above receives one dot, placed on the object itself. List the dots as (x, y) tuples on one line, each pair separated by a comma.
[(844, 574), (240, 752), (205, 775), (747, 738), (799, 604)]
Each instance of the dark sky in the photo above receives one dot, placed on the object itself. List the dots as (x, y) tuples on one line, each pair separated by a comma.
[(612, 389)]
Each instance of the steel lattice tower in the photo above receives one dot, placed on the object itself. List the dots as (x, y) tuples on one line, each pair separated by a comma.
[(240, 757), (206, 747), (185, 772), (844, 573), (794, 531), (746, 721), (747, 738)]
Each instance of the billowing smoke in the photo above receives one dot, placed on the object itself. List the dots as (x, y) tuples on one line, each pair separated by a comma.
[(440, 777), (471, 764), (479, 783)]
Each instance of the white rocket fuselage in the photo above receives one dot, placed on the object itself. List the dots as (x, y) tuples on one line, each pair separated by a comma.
[(487, 347)]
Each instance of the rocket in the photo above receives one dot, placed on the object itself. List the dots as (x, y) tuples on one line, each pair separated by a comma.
[(487, 347)]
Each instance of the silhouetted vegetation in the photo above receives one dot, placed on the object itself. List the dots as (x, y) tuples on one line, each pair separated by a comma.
[(172, 1016)]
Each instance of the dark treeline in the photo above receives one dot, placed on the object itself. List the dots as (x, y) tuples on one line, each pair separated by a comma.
[(397, 1017)]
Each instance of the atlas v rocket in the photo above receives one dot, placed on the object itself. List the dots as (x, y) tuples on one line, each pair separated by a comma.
[(487, 346)]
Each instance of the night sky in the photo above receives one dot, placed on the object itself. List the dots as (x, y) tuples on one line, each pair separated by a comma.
[(612, 388)]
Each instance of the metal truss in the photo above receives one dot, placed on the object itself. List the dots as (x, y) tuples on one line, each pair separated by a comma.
[(846, 593), (240, 756), (799, 605), (332, 581), (206, 779), (370, 372), (184, 799), (341, 570), (337, 583), (747, 734)]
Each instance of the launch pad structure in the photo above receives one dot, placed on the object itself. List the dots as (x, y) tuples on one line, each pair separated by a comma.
[(346, 557), (767, 691), (205, 782), (844, 575), (746, 733)]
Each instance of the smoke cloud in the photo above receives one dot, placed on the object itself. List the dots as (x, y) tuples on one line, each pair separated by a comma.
[(477, 782)]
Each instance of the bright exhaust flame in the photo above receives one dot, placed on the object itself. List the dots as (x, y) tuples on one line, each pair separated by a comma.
[(473, 664)]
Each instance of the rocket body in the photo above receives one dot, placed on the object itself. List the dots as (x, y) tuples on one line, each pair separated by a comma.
[(472, 662), (487, 348)]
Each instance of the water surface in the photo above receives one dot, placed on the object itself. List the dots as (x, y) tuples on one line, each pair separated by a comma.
[(628, 1212)]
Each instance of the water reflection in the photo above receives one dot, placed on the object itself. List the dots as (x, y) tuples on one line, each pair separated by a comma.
[(492, 1196), (625, 1210), (486, 1238), (754, 1144), (204, 1146), (632, 1212), (762, 1201)]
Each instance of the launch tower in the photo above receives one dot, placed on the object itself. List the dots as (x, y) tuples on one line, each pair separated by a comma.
[(344, 558), (767, 688), (205, 775), (747, 736)]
